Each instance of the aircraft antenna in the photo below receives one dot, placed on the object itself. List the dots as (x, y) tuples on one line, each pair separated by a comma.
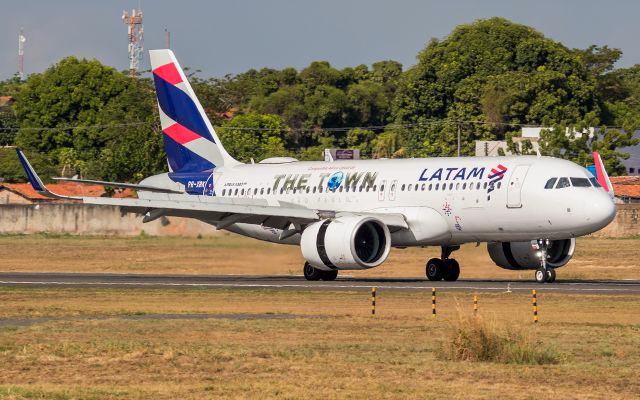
[(21, 40), (135, 32)]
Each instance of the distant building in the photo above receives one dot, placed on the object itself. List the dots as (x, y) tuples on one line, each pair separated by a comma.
[(7, 100), (492, 147), (626, 189)]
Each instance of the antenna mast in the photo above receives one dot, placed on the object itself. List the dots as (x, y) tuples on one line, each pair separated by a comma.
[(167, 39), (21, 40), (135, 33)]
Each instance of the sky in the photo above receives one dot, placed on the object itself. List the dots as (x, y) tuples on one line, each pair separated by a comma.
[(230, 37)]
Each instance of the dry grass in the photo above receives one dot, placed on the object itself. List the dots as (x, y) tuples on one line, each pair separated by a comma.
[(475, 338), (333, 349), (596, 258)]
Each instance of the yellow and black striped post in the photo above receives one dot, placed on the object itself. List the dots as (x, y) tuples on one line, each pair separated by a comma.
[(373, 301), (535, 307), (433, 302), (475, 305)]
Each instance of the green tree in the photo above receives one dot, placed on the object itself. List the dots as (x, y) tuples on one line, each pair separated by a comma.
[(256, 136), (491, 70), (105, 119)]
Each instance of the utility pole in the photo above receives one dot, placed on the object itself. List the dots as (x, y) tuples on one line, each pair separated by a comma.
[(21, 40), (458, 139), (167, 39), (135, 33)]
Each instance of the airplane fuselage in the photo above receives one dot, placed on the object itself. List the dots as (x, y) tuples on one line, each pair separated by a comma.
[(445, 201)]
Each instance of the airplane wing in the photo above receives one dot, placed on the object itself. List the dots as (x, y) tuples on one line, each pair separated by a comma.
[(146, 188), (221, 212)]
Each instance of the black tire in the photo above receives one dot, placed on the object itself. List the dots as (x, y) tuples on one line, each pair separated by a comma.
[(541, 275), (329, 275), (311, 273), (435, 269), (452, 270), (551, 275)]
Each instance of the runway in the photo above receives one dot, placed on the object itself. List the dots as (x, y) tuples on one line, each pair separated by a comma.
[(299, 283)]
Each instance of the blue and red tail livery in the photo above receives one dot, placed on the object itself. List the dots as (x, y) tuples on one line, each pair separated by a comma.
[(190, 142)]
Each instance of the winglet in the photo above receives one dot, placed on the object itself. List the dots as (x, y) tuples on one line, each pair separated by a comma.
[(35, 180), (601, 174)]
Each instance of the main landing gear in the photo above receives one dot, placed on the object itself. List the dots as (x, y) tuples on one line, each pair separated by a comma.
[(545, 273), (444, 267), (312, 273)]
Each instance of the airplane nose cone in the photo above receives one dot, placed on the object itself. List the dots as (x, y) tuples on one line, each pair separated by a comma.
[(600, 210)]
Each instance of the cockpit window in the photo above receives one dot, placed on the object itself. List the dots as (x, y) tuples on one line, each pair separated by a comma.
[(580, 182), (563, 183), (594, 182), (550, 183)]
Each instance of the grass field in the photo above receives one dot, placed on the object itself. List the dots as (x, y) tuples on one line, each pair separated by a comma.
[(193, 344), (596, 258), (295, 345)]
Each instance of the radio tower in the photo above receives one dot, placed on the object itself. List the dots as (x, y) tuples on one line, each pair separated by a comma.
[(135, 33), (21, 40)]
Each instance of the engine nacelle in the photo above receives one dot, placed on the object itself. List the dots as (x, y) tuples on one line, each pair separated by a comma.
[(349, 242), (526, 255)]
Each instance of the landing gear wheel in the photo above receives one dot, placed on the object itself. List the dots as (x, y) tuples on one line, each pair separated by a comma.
[(329, 275), (311, 273), (551, 275), (541, 275), (435, 269), (452, 270)]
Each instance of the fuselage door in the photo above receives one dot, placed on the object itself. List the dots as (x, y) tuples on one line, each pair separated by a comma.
[(381, 189), (514, 188), (392, 190)]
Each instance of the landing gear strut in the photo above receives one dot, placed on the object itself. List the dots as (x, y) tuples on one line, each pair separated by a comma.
[(545, 273), (312, 273), (444, 267)]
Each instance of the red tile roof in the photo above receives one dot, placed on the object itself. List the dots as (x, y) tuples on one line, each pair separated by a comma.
[(626, 186), (65, 189), (6, 100)]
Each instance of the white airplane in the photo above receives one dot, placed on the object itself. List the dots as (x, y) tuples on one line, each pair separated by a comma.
[(348, 214)]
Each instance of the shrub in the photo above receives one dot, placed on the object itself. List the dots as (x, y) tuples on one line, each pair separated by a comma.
[(476, 339)]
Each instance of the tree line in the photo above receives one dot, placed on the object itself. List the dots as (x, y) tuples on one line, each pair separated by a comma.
[(485, 80)]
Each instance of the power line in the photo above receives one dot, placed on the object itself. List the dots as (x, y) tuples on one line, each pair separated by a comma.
[(314, 129)]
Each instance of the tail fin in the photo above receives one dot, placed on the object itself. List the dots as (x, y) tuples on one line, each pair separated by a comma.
[(601, 174), (190, 142)]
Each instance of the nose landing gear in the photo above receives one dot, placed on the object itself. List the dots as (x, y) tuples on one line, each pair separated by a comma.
[(545, 273), (443, 268)]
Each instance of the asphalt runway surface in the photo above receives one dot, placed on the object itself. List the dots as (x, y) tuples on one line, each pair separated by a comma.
[(344, 283)]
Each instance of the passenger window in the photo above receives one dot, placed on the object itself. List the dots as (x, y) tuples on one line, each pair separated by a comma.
[(423, 186), (580, 182), (437, 186), (458, 186), (402, 187), (375, 186), (464, 186), (223, 191), (478, 186), (416, 187), (430, 186), (451, 186), (563, 183), (550, 183), (499, 184), (409, 188)]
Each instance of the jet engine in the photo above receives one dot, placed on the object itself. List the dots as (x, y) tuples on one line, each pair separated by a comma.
[(348, 242), (526, 255)]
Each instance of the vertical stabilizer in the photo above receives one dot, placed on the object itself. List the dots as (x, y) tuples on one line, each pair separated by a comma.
[(190, 142), (601, 174)]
